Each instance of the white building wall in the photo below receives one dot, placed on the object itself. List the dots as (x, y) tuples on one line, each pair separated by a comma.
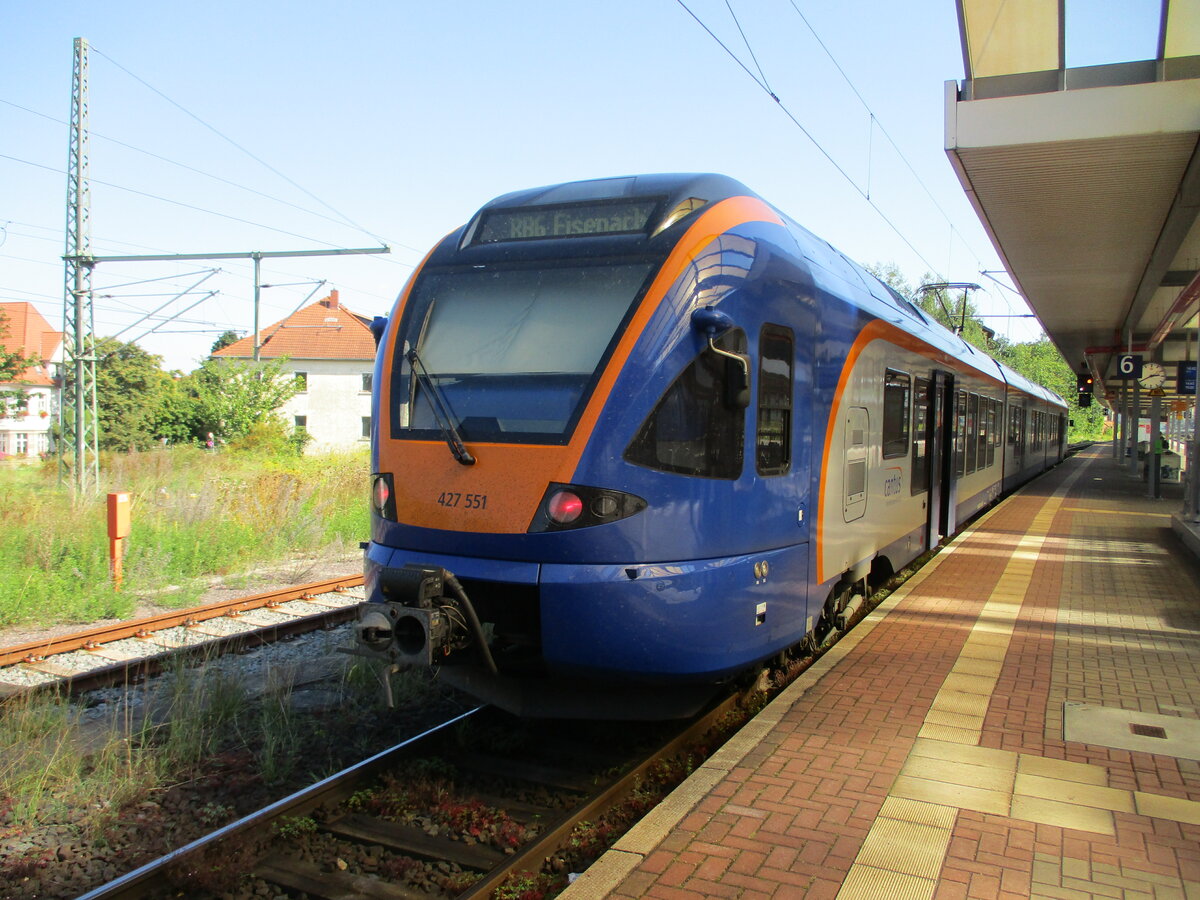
[(334, 405), (28, 434)]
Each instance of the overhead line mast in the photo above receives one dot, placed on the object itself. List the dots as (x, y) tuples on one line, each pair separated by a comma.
[(77, 414)]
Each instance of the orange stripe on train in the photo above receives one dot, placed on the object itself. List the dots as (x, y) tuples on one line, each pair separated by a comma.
[(432, 489), (878, 329)]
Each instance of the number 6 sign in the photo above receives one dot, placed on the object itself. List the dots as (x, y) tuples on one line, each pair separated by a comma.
[(1129, 365)]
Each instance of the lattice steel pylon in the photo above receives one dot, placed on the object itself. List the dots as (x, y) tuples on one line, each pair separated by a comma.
[(78, 420)]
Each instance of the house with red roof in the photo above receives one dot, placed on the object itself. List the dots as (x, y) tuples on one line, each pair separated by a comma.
[(29, 404), (331, 351)]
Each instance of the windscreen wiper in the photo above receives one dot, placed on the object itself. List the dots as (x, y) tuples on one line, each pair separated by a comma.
[(440, 410)]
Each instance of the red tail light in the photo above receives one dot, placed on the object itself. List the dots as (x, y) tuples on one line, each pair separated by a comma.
[(382, 501), (566, 506), (563, 508)]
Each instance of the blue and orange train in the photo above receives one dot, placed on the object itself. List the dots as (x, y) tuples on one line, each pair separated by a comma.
[(634, 436)]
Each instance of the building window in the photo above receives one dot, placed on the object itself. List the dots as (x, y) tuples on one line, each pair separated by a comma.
[(20, 443), (301, 423), (302, 382), (366, 382), (366, 426), (3, 442)]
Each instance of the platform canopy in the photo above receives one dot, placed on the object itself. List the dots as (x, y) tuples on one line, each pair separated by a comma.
[(1087, 180)]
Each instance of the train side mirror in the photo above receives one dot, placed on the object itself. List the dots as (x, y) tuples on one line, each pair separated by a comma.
[(378, 325), (714, 323)]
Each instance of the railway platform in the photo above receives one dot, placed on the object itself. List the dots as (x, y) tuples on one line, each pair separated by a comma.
[(1020, 719)]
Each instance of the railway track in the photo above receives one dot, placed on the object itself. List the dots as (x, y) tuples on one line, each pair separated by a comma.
[(513, 798), (447, 814), (122, 652)]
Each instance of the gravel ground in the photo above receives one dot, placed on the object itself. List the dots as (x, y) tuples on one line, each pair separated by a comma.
[(79, 845)]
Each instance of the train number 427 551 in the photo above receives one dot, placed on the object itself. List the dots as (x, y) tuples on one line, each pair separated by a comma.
[(456, 500)]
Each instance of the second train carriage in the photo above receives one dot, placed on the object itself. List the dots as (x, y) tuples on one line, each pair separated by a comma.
[(649, 431)]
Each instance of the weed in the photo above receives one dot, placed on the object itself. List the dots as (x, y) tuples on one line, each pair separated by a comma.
[(215, 814), (529, 886), (24, 865), (430, 800), (295, 826), (278, 739), (46, 772)]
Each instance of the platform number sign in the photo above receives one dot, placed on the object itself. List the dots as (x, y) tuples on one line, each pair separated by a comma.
[(1129, 365)]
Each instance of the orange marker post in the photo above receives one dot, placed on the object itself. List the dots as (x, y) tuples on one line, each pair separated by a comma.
[(118, 530)]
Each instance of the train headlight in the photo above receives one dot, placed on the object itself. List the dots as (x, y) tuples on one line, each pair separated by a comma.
[(383, 500), (566, 506)]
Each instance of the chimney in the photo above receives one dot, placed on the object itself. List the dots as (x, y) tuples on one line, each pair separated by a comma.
[(332, 300)]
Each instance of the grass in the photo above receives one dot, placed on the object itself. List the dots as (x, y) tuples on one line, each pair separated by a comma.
[(195, 515), (54, 771)]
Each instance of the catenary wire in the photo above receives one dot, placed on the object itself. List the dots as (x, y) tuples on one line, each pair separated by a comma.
[(178, 203), (185, 166), (877, 122), (237, 146), (820, 147)]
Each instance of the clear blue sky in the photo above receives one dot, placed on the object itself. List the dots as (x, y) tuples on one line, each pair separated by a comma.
[(403, 118)]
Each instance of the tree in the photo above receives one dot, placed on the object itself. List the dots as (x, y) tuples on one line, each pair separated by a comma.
[(1039, 360), (231, 396), (130, 386), (12, 366), (951, 308), (226, 338), (178, 418)]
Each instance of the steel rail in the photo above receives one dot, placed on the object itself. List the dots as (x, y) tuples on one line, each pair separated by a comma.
[(142, 880), (533, 855), (194, 615)]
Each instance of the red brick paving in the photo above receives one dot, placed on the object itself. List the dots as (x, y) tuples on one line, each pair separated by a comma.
[(791, 819)]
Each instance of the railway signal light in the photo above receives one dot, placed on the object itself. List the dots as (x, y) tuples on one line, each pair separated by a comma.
[(1083, 387)]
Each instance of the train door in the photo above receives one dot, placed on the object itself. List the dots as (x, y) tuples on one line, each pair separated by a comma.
[(1015, 459), (941, 456), (782, 447)]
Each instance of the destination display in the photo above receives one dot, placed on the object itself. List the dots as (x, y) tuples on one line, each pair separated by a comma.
[(573, 220), (1185, 378)]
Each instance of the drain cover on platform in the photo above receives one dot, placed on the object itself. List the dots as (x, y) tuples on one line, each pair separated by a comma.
[(1109, 726)]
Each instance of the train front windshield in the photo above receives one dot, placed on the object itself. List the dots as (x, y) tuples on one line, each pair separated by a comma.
[(511, 354)]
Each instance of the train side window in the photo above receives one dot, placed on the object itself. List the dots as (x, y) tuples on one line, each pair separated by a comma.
[(692, 431), (896, 399), (920, 437), (984, 436), (960, 433), (972, 432), (993, 430), (773, 444)]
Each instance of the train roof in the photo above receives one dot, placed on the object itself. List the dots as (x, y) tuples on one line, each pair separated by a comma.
[(687, 193), (706, 186), (883, 301)]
